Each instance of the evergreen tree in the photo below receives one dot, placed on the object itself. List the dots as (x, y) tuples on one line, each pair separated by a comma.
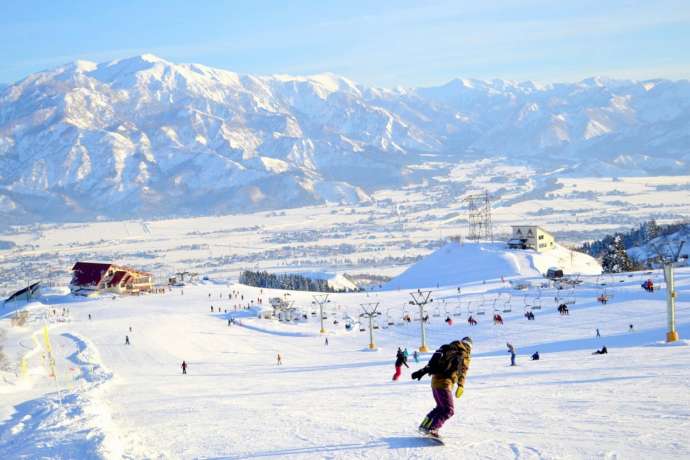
[(616, 258)]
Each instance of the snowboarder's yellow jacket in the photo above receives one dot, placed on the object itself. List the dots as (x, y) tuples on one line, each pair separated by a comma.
[(458, 376)]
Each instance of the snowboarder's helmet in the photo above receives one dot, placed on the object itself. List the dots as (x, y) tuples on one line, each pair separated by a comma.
[(467, 341)]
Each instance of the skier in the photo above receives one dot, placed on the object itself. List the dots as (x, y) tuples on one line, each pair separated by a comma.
[(400, 360), (279, 360), (211, 308), (126, 340), (89, 316), (447, 367), (229, 322), (326, 341), (130, 328), (184, 367), (598, 334), (511, 350), (535, 356), (449, 321), (415, 355), (603, 351), (631, 328)]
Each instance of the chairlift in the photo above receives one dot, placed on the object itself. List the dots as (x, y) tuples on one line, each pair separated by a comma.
[(361, 326), (537, 301), (470, 311), (493, 304), (528, 306), (480, 309), (458, 310), (376, 324), (437, 312), (570, 300), (507, 308), (604, 297), (389, 318)]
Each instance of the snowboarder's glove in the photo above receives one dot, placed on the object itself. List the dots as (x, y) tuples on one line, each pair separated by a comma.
[(417, 375), (459, 392)]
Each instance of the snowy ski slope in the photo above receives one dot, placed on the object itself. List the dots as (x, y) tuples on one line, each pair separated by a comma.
[(338, 401)]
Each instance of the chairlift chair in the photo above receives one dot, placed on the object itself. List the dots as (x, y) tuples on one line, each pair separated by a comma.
[(494, 307), (528, 306), (437, 312), (537, 301), (458, 310), (480, 309), (570, 300), (507, 308)]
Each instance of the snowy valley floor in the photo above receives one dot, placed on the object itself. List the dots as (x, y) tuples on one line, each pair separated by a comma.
[(338, 401)]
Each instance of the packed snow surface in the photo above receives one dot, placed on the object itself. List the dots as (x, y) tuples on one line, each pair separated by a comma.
[(458, 263), (337, 400)]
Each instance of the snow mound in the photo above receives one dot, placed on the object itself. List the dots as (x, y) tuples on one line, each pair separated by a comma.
[(457, 263)]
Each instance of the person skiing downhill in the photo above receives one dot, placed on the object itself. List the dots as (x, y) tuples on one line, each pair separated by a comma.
[(400, 360), (511, 350), (448, 366), (184, 367)]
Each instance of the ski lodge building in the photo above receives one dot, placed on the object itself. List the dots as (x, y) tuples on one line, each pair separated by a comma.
[(90, 277), (531, 237)]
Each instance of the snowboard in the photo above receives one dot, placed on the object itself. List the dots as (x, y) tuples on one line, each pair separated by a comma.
[(436, 440)]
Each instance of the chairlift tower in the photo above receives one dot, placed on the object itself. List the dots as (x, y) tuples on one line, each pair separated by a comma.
[(321, 299), (480, 226), (421, 298), (370, 311), (669, 257)]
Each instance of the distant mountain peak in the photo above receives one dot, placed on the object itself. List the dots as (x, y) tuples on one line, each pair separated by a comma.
[(143, 135)]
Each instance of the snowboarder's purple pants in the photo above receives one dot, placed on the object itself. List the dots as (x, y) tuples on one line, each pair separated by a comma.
[(444, 407)]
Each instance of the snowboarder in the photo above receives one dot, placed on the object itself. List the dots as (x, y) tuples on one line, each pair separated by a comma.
[(535, 356), (184, 367), (511, 350), (400, 360), (279, 360), (448, 366), (126, 340)]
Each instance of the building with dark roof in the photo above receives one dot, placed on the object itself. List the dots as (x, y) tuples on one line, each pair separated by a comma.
[(89, 277)]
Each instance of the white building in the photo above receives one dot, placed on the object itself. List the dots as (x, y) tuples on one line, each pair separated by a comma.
[(531, 237)]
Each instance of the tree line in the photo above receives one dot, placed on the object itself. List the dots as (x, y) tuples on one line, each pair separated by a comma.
[(612, 249), (287, 281)]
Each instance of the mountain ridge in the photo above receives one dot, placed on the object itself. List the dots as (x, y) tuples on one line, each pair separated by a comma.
[(144, 136)]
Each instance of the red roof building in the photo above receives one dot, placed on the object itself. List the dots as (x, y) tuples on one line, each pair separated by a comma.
[(91, 276)]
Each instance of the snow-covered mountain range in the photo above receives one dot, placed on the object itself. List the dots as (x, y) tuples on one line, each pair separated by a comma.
[(146, 137)]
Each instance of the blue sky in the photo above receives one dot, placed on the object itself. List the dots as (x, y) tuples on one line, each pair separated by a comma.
[(381, 43)]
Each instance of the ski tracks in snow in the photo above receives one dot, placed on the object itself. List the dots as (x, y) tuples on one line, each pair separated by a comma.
[(66, 424)]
